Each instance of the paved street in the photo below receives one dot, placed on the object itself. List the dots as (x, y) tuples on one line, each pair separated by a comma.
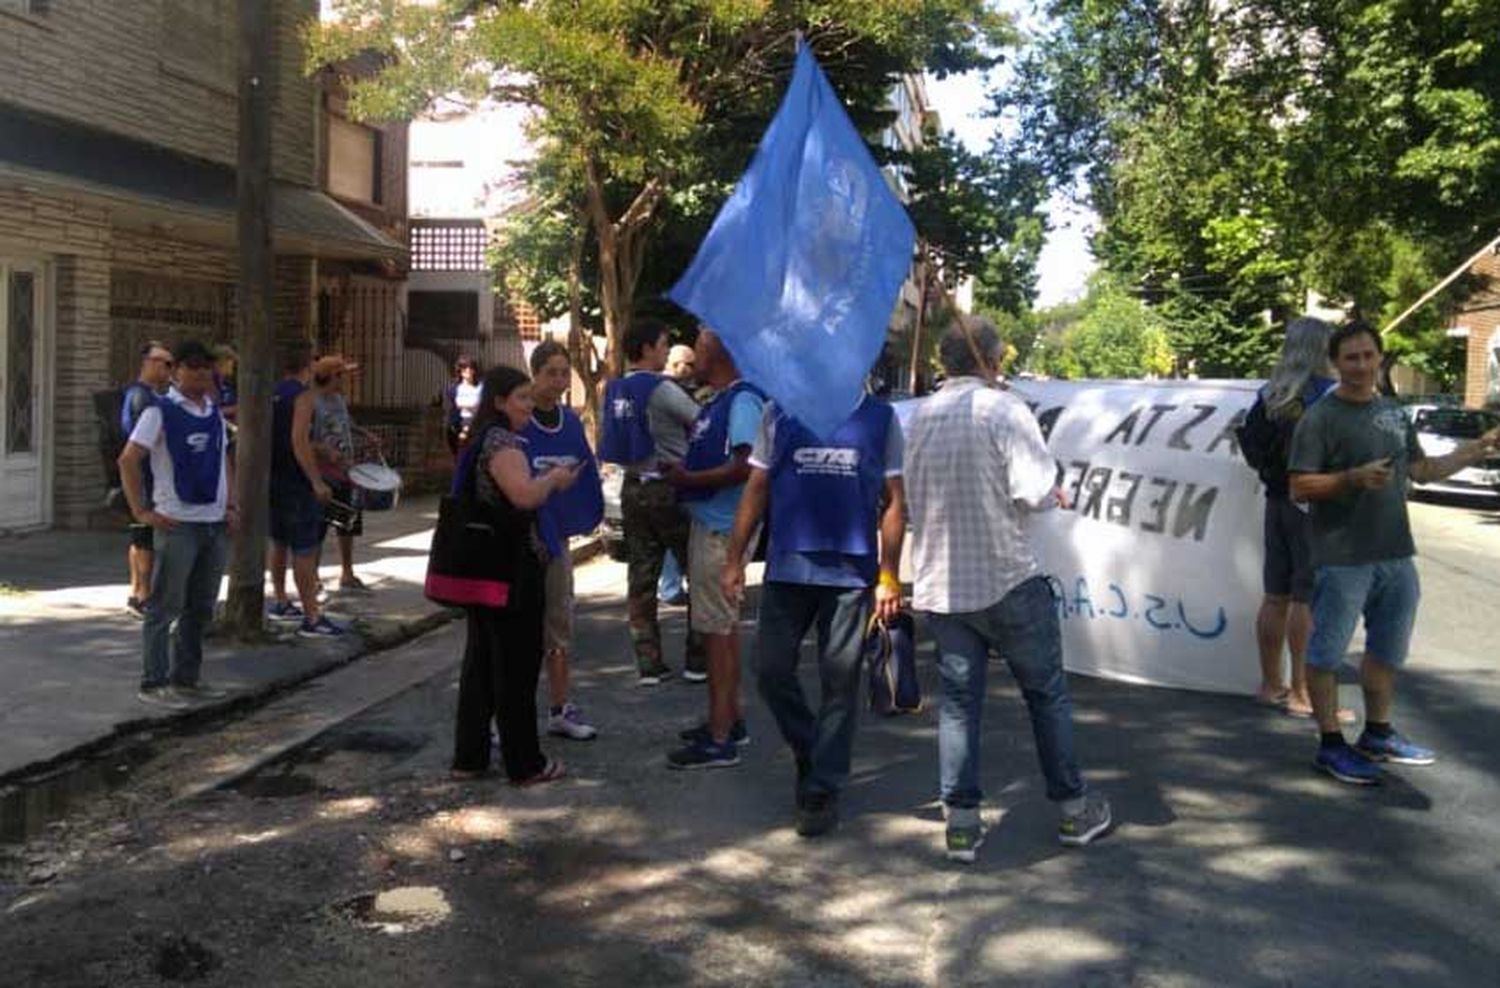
[(1232, 863)]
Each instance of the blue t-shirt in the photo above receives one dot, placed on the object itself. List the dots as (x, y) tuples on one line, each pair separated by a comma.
[(717, 511)]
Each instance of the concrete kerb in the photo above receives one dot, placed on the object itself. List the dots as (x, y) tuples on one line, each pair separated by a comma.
[(35, 794)]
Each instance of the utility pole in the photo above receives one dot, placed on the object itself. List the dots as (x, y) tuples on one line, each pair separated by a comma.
[(244, 612)]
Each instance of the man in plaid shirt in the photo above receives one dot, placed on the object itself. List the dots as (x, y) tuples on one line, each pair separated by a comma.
[(976, 465)]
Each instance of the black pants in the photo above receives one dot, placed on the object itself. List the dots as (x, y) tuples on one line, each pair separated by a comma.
[(502, 660)]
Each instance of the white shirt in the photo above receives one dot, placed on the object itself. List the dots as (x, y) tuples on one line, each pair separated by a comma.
[(149, 435), (976, 464), (466, 400)]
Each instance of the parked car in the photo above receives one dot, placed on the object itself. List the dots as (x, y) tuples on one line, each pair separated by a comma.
[(1440, 429), (612, 529)]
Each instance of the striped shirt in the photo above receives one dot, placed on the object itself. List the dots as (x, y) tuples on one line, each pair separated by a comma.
[(976, 464)]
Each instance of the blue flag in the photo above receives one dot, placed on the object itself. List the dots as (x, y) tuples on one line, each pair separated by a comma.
[(802, 266)]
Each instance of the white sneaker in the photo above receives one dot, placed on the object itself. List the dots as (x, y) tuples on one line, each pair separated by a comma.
[(200, 691), (569, 723), (163, 696)]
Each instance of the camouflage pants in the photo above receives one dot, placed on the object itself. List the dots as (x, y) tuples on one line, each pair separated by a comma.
[(654, 523)]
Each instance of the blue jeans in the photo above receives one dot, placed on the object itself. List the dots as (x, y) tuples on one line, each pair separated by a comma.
[(1023, 628), (184, 587), (824, 740), (670, 583)]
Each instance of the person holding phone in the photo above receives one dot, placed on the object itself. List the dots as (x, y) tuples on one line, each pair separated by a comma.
[(1351, 457)]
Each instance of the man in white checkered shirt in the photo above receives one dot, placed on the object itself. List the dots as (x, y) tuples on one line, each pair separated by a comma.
[(976, 466)]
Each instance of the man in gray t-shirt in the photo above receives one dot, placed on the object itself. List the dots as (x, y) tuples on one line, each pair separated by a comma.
[(1351, 457)]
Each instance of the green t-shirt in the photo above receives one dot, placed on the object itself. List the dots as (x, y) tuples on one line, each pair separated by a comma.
[(1357, 527)]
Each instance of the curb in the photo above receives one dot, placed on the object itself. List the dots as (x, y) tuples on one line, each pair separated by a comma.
[(43, 791)]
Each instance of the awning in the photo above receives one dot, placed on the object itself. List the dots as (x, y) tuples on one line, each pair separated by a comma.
[(192, 197)]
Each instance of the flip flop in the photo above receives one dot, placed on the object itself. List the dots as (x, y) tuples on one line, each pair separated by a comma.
[(1277, 702), (551, 772)]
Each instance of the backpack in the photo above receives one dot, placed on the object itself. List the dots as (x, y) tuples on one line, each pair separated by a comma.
[(891, 650)]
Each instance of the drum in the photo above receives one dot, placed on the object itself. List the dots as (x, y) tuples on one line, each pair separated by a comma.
[(377, 486)]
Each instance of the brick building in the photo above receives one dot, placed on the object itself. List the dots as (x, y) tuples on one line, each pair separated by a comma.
[(118, 139), (1477, 319)]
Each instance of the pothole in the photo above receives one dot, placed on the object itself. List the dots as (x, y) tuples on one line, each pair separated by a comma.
[(180, 958), (398, 910)]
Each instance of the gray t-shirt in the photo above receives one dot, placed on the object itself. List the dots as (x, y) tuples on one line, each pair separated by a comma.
[(1357, 527), (670, 414)]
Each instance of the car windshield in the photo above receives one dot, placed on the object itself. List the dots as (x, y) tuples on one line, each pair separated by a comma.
[(1454, 423)]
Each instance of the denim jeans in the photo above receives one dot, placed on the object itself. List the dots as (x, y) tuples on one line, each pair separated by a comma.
[(189, 563), (670, 584), (1022, 627), (825, 739)]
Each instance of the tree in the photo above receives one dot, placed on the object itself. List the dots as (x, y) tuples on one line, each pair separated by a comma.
[(1109, 334), (643, 104), (1243, 154)]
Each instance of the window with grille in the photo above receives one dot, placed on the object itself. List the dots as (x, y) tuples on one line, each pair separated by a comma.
[(442, 316), (448, 246)]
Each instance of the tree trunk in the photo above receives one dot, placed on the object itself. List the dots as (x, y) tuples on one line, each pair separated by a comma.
[(914, 381), (243, 614), (581, 351)]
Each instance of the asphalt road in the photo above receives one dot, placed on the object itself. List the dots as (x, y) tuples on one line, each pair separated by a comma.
[(1232, 862)]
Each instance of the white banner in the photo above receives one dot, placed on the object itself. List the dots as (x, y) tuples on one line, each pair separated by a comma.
[(1158, 562)]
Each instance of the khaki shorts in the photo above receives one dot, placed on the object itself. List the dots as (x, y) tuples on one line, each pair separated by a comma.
[(712, 612), (558, 622)]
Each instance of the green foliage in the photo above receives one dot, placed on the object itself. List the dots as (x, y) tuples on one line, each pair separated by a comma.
[(1242, 154), (1109, 334)]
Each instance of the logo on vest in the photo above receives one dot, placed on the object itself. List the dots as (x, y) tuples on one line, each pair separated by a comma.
[(198, 442), (700, 427), (544, 463), (624, 408), (831, 461)]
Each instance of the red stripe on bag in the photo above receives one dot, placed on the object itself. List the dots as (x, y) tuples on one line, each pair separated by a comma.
[(461, 592)]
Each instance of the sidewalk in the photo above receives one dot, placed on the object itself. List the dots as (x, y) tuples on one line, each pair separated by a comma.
[(70, 655)]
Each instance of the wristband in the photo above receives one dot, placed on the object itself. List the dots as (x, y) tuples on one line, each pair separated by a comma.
[(890, 581)]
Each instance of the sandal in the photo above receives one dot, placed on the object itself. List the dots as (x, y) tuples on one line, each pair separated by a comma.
[(1275, 701), (354, 585), (551, 772)]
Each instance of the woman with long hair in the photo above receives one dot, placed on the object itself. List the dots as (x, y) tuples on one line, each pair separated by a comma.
[(1301, 377), (503, 654)]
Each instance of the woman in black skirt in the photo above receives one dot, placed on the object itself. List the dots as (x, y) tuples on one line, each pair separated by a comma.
[(503, 655)]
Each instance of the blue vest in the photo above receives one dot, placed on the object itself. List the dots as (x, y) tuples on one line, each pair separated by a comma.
[(708, 447), (626, 438), (579, 509), (129, 416), (284, 466), (196, 445), (825, 494)]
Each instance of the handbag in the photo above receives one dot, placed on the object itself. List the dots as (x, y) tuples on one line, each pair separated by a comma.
[(472, 559), (891, 651)]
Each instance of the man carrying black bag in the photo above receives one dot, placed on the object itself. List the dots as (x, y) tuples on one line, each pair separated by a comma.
[(503, 653), (976, 464)]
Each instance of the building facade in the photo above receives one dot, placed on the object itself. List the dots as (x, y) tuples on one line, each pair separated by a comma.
[(118, 141), (1477, 320)]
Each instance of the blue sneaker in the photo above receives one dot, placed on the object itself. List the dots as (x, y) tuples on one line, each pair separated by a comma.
[(321, 628), (286, 611), (1347, 765), (739, 733), (704, 754), (1393, 748)]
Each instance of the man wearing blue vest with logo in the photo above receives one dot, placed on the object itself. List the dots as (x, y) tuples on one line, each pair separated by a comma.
[(183, 437), (826, 566), (710, 482), (646, 425), (555, 440)]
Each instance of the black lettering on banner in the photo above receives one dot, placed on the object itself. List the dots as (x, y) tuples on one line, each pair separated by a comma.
[(1098, 482), (1227, 434), (1179, 434), (1047, 420), (1117, 509), (1157, 411), (1192, 512), (1082, 466), (1160, 505), (1126, 428)]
